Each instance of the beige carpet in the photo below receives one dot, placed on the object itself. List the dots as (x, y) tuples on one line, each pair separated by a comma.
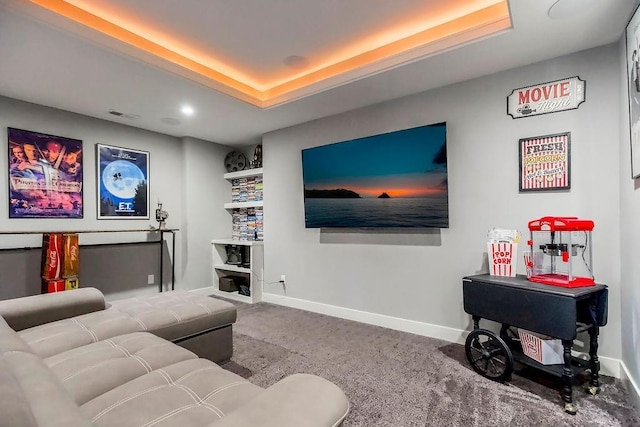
[(399, 379)]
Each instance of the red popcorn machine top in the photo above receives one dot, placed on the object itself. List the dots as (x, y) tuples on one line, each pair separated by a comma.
[(561, 251)]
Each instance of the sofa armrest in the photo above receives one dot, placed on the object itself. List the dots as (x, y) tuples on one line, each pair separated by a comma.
[(26, 312), (299, 400)]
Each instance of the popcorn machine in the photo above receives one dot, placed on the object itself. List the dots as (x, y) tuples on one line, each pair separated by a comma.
[(561, 251)]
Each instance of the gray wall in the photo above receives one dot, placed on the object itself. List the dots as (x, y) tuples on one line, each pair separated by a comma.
[(417, 277), (186, 175), (205, 219), (629, 241), (116, 269)]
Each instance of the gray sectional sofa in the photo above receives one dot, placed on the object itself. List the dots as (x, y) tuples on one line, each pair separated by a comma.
[(70, 359)]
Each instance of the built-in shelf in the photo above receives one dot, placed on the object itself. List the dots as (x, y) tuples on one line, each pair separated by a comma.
[(233, 296), (230, 267), (237, 242), (252, 249), (240, 205), (253, 274), (243, 174)]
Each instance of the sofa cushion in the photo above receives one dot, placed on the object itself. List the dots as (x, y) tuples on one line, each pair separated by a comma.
[(93, 369), (26, 312), (10, 341), (50, 404), (176, 315), (14, 405), (55, 337), (193, 392), (173, 315)]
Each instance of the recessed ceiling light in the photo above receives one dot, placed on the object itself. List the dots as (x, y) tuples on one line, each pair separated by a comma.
[(565, 9), (187, 110)]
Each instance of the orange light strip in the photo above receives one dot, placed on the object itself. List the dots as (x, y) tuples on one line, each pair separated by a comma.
[(493, 13), (94, 22), (264, 98)]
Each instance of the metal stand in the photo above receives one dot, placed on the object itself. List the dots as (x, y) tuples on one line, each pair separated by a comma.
[(173, 253)]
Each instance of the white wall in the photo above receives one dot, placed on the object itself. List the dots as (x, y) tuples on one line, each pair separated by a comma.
[(186, 175), (629, 243), (417, 277)]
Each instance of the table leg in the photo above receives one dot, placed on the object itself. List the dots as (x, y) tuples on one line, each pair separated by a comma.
[(161, 281), (173, 261), (476, 322), (504, 333), (567, 379), (594, 363)]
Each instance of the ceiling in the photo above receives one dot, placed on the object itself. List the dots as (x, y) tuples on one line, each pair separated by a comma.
[(248, 67)]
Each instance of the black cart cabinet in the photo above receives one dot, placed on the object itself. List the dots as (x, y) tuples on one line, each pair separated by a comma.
[(558, 312)]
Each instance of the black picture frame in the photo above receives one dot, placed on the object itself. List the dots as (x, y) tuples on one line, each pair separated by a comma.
[(122, 181), (45, 175), (545, 163), (632, 46)]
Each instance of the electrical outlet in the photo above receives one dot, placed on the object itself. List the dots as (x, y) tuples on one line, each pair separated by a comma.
[(282, 278), (151, 279)]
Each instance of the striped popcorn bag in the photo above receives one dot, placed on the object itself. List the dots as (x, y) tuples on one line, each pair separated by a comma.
[(544, 350), (502, 258)]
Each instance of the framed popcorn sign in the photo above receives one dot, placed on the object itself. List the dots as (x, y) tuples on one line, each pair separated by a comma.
[(545, 162)]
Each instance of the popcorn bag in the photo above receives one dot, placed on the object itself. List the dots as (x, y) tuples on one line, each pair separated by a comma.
[(543, 349), (502, 247), (502, 259)]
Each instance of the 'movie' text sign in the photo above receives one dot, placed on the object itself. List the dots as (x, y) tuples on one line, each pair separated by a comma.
[(551, 97)]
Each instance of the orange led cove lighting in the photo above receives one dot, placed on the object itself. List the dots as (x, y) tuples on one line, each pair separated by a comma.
[(480, 22)]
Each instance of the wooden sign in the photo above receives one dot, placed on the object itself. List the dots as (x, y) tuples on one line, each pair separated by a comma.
[(545, 98)]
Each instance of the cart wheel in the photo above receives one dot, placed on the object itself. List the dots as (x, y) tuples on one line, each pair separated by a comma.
[(489, 355)]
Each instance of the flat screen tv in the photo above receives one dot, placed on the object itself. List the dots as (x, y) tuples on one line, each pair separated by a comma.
[(396, 179)]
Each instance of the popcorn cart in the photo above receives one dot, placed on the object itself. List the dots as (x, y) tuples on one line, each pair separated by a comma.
[(565, 244), (523, 308)]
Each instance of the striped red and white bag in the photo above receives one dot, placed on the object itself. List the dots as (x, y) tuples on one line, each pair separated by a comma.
[(502, 258)]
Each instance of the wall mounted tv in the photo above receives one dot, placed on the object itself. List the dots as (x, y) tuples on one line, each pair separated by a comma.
[(396, 179)]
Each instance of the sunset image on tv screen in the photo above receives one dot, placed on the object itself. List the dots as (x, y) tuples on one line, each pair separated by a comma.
[(396, 179)]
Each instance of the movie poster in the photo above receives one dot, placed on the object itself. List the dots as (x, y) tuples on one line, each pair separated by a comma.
[(123, 183), (45, 175)]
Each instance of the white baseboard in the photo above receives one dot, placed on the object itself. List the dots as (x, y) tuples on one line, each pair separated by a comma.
[(396, 323), (608, 366), (632, 386)]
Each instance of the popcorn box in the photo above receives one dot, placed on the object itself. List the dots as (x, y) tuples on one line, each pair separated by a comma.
[(502, 259), (545, 350)]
